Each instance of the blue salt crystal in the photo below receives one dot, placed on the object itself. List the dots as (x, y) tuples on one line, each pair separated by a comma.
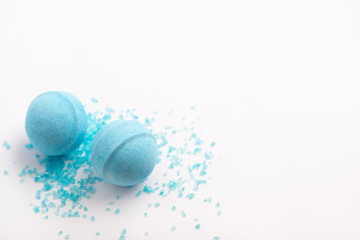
[(109, 110), (6, 145), (6, 172), (107, 117), (117, 211), (94, 100), (148, 189), (156, 205), (190, 196), (198, 141), (197, 150), (172, 185), (29, 146), (197, 165), (208, 155), (36, 209), (173, 228), (43, 203), (197, 226)]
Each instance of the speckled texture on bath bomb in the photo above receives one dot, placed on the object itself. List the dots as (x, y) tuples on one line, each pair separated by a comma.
[(124, 152), (56, 123)]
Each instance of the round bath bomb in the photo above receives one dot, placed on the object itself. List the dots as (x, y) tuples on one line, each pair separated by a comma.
[(56, 123), (124, 152)]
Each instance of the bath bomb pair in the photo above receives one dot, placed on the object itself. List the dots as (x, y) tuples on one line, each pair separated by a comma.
[(123, 152)]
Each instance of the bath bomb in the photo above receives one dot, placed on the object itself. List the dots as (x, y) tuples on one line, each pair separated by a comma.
[(56, 123), (124, 152)]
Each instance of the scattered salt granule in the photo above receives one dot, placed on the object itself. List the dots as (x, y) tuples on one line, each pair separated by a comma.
[(6, 172), (94, 100), (6, 145), (123, 233), (173, 228), (29, 146), (97, 234), (190, 196), (216, 238), (197, 226), (117, 211)]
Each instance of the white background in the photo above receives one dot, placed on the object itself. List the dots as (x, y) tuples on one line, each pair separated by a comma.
[(278, 82)]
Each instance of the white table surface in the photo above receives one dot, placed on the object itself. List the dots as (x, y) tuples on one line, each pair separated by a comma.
[(276, 83)]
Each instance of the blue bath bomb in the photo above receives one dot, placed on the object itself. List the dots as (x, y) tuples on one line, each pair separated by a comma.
[(124, 152), (56, 123)]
